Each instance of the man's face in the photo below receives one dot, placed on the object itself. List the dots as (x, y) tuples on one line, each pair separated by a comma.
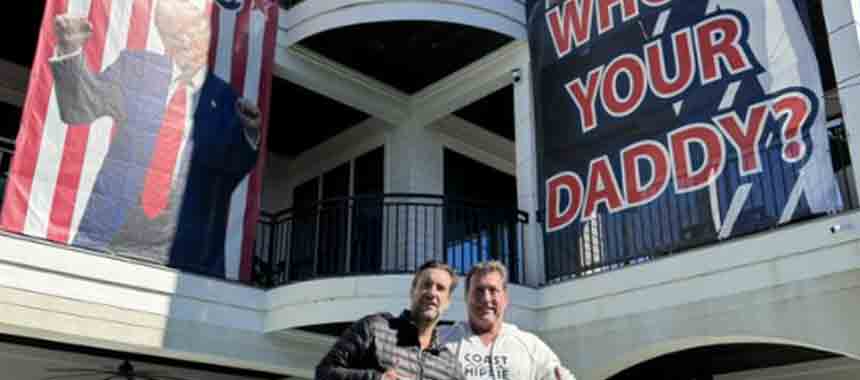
[(487, 301), (185, 31), (431, 295)]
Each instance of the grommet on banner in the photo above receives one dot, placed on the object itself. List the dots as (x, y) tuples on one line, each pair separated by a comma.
[(837, 228), (515, 75)]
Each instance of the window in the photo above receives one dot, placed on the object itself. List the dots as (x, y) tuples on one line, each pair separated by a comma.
[(337, 220)]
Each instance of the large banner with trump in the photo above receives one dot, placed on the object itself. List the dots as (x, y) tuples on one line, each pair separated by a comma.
[(144, 128), (665, 124)]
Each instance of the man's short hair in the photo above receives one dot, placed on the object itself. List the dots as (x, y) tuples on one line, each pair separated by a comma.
[(486, 267), (435, 264)]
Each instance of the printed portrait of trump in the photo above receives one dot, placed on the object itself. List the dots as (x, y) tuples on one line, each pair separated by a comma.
[(181, 138)]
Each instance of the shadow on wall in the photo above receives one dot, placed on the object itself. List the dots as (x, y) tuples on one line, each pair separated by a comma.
[(720, 360)]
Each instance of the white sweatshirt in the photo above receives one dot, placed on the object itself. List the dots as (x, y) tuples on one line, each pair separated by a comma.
[(514, 355)]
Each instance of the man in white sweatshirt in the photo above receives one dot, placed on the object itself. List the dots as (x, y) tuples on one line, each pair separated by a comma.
[(486, 346)]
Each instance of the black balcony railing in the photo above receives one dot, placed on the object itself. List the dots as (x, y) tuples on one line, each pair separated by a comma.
[(386, 233), (395, 233), (391, 233), (667, 226)]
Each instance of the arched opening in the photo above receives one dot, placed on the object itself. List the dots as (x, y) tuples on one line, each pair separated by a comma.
[(308, 18), (737, 361), (329, 212)]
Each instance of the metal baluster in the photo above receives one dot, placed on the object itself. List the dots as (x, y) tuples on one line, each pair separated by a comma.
[(397, 236)]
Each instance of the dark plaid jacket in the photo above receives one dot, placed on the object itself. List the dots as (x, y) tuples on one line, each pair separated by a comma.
[(378, 342)]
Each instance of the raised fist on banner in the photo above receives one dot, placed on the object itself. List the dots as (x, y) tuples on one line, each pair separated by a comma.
[(248, 112), (72, 33), (251, 118)]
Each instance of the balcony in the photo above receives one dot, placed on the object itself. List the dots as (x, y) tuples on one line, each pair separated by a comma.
[(385, 234), (375, 234), (395, 233)]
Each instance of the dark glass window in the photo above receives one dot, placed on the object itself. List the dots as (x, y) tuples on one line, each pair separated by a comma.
[(367, 216), (821, 44), (466, 178), (331, 228), (370, 172), (333, 221), (304, 232), (10, 120), (478, 220)]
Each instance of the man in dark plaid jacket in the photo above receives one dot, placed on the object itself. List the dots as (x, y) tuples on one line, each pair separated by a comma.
[(384, 347)]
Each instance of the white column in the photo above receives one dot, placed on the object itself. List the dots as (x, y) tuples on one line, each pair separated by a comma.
[(843, 27), (527, 177), (413, 165), (413, 161)]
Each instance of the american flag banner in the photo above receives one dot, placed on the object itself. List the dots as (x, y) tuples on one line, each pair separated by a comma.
[(144, 130)]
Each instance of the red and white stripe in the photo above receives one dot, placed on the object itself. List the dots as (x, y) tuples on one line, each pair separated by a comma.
[(55, 166), (249, 72)]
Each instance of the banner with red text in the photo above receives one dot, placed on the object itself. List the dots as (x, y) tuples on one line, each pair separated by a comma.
[(665, 124)]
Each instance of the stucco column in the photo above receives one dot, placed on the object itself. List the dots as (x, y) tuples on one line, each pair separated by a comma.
[(843, 27), (413, 161), (413, 165), (527, 178)]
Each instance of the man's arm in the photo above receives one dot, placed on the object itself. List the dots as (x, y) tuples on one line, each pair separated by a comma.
[(547, 364), (82, 97), (243, 152), (250, 118), (350, 356)]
